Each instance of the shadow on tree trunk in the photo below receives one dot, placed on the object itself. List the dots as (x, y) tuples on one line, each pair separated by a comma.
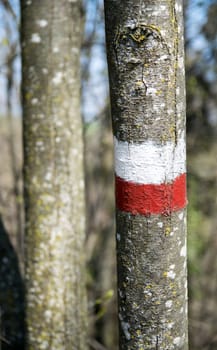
[(11, 296)]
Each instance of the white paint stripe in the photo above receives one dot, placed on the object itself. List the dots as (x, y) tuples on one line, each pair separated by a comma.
[(148, 162)]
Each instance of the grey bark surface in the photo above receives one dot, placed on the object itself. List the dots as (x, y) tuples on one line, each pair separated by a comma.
[(147, 89), (53, 175)]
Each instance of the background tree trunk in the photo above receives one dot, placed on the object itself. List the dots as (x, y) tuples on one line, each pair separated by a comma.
[(146, 68), (53, 174)]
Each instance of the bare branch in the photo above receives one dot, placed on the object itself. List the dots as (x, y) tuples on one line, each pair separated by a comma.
[(9, 8)]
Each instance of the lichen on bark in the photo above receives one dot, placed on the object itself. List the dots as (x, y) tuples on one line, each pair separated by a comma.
[(53, 175), (147, 89)]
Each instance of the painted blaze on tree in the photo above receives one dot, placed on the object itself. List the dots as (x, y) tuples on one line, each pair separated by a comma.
[(146, 69)]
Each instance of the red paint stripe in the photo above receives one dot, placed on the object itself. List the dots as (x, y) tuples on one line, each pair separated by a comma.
[(151, 199)]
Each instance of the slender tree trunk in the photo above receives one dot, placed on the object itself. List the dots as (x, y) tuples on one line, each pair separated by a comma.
[(146, 68), (16, 174), (53, 175)]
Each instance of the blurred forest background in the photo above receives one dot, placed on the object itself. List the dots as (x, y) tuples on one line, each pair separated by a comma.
[(201, 84)]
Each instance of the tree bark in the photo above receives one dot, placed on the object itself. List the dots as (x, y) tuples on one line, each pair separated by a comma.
[(147, 88), (53, 174)]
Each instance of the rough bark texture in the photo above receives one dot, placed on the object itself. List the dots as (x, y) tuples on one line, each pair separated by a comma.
[(146, 69), (53, 175)]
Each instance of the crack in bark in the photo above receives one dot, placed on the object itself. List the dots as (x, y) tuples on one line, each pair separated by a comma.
[(176, 49), (156, 346)]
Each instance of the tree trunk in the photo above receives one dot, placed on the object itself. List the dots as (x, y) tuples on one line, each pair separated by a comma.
[(53, 175), (146, 69)]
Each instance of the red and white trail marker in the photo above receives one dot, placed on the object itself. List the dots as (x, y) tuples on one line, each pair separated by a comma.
[(150, 178)]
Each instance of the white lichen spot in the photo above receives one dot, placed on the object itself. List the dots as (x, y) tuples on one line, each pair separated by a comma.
[(39, 143), (160, 224), (59, 123), (44, 345), (125, 327), (181, 64), (48, 176), (171, 274), (177, 341), (48, 315), (171, 233), (170, 325), (172, 267), (118, 237), (161, 8), (75, 152), (180, 29), (164, 32), (57, 79), (183, 251), (42, 23), (28, 2), (181, 310), (178, 7), (169, 304), (65, 198), (148, 293), (44, 70), (151, 91), (57, 139), (35, 38), (52, 302), (179, 107), (34, 101), (164, 57), (56, 49), (81, 184)]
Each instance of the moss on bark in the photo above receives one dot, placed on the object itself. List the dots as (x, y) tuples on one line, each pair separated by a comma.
[(147, 88), (53, 175)]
